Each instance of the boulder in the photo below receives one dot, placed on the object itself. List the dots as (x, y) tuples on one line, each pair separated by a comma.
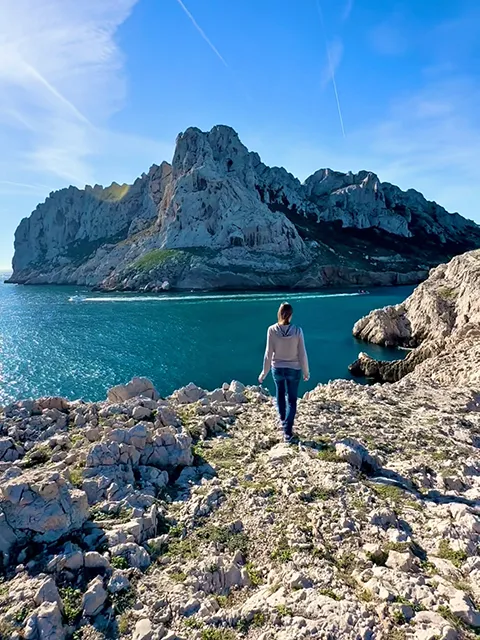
[(45, 623), (94, 598), (40, 505), (135, 388), (143, 630)]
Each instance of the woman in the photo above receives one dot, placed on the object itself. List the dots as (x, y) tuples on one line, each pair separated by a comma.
[(286, 355)]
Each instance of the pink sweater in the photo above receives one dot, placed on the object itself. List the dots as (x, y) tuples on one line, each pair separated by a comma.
[(285, 348)]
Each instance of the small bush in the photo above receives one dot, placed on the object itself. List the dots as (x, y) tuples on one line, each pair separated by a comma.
[(233, 541), (122, 601), (217, 634), (124, 624), (283, 553), (178, 577), (283, 610), (38, 455), (76, 477), (330, 593), (255, 578), (365, 595), (447, 293), (72, 604), (328, 455), (446, 552), (118, 562)]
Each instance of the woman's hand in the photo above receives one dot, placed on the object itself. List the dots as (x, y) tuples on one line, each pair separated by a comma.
[(261, 377), (306, 377)]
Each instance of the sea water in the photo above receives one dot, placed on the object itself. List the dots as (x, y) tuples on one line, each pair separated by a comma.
[(71, 342)]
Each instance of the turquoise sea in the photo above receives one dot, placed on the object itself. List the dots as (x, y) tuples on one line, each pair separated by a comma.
[(50, 345)]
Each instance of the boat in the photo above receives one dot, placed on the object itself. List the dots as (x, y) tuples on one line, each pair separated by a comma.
[(362, 292), (76, 299)]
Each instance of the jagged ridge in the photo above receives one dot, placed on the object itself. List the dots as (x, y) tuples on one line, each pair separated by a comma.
[(228, 220)]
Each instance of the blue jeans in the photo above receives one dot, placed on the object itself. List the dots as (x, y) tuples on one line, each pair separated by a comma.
[(287, 381)]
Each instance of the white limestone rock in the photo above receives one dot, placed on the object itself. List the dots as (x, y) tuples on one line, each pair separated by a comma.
[(135, 388)]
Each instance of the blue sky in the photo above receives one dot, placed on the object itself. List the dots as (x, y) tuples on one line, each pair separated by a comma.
[(93, 92)]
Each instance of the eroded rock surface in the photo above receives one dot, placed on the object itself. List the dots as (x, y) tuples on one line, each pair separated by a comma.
[(189, 518), (217, 217), (440, 321)]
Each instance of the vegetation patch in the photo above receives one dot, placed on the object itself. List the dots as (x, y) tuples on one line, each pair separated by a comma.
[(282, 552), (446, 552), (118, 562), (283, 610), (76, 476), (154, 259), (330, 593), (72, 604), (329, 455), (122, 601), (123, 515), (217, 634), (447, 293), (38, 455), (233, 541), (254, 576)]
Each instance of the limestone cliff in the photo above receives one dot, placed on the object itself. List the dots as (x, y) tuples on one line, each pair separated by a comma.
[(440, 320), (218, 217)]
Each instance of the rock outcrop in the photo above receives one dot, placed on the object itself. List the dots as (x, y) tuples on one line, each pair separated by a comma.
[(439, 322), (355, 533), (218, 217)]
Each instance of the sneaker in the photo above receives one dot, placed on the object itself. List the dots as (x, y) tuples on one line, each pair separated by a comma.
[(288, 439)]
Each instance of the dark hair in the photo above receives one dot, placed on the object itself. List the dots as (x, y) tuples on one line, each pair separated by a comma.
[(285, 312)]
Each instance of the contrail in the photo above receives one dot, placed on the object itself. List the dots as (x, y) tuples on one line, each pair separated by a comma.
[(42, 80), (36, 187), (203, 34), (331, 67)]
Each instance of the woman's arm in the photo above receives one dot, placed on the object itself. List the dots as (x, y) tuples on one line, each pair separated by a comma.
[(302, 357), (267, 359)]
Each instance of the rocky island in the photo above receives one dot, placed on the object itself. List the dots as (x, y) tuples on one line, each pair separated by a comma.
[(146, 518), (217, 217)]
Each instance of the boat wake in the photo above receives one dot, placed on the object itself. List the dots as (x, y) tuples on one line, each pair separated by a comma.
[(240, 297)]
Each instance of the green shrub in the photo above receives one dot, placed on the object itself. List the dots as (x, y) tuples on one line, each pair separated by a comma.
[(328, 455), (154, 259), (255, 578), (283, 610), (118, 562), (72, 604), (76, 477), (217, 634), (446, 552), (124, 624)]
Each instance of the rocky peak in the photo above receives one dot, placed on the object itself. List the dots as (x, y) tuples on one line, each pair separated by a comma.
[(216, 195)]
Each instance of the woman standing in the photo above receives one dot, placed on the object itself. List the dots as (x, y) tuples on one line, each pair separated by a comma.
[(286, 355)]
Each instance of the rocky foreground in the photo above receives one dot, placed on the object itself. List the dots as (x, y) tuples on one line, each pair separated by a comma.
[(218, 217), (187, 518)]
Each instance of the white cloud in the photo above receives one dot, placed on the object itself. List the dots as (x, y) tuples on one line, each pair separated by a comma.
[(60, 80)]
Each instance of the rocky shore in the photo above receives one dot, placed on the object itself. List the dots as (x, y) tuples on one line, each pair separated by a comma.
[(440, 322), (148, 518)]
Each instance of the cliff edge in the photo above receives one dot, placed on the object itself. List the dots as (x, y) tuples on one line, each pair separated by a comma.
[(440, 322)]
